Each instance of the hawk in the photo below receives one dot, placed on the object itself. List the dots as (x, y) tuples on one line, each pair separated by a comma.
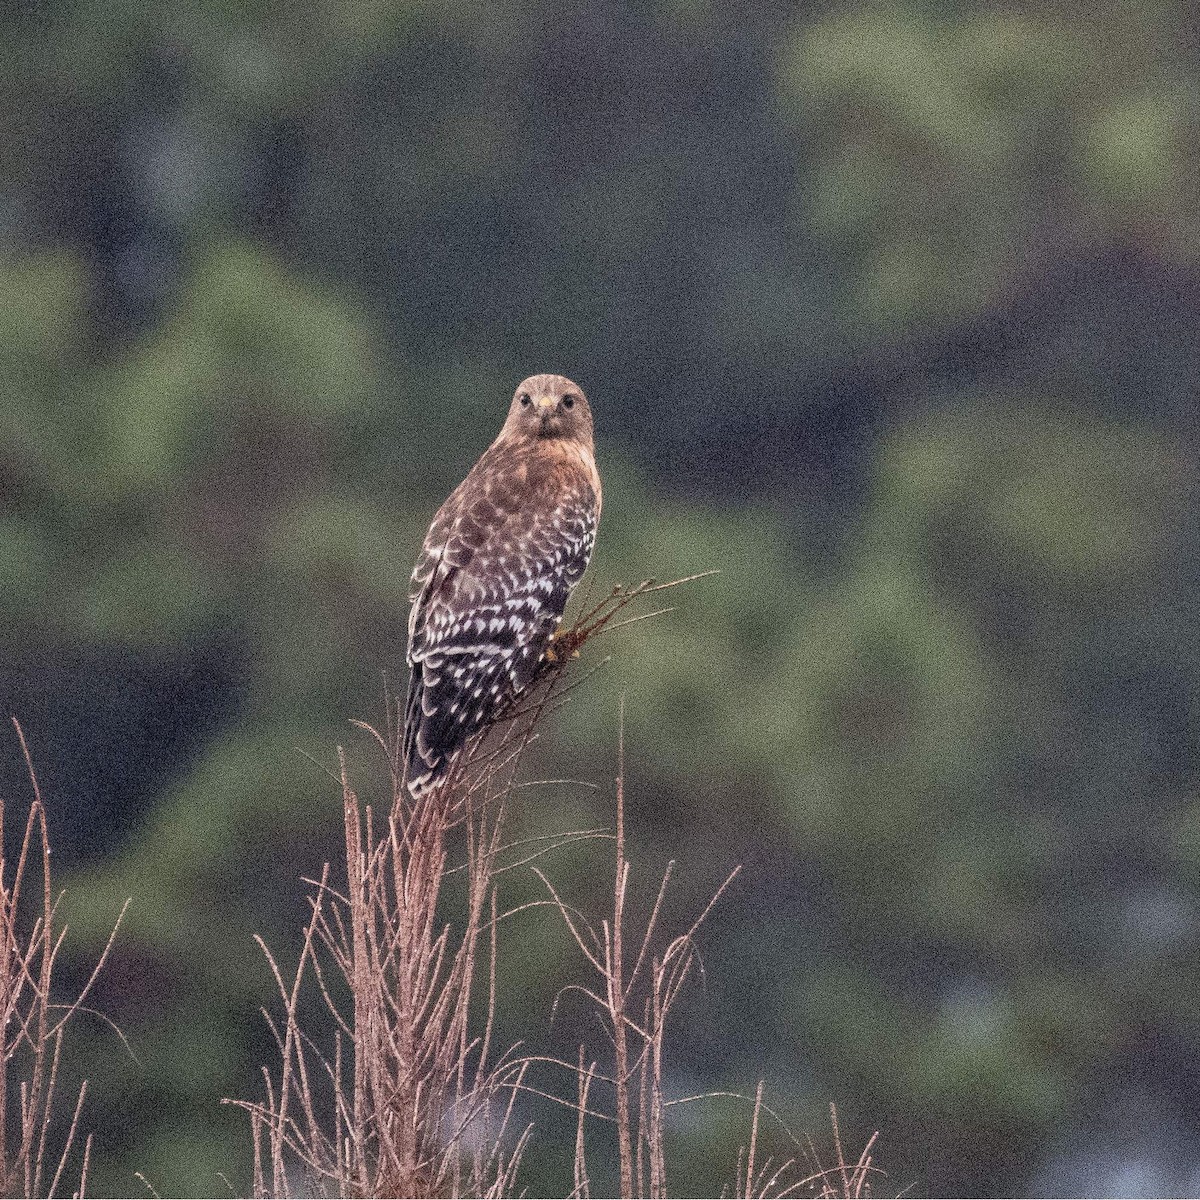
[(495, 572)]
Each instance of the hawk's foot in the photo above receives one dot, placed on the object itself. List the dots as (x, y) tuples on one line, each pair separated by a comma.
[(555, 653)]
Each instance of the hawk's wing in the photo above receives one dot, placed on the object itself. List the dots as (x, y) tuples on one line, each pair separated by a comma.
[(496, 570)]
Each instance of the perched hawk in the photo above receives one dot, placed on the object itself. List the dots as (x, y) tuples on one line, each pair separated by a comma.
[(497, 566)]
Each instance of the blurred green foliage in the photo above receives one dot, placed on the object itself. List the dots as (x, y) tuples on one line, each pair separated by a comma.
[(887, 310)]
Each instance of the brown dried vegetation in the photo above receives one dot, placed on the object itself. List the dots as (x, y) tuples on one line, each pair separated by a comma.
[(40, 1147), (398, 1088)]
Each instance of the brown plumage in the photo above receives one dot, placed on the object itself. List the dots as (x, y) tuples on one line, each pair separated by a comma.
[(495, 572)]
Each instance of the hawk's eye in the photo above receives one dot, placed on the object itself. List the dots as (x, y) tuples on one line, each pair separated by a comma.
[(526, 399), (568, 402)]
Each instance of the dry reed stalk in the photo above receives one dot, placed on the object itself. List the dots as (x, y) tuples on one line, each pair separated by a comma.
[(403, 1092), (35, 1150), (649, 987), (406, 1095), (848, 1179), (802, 1172)]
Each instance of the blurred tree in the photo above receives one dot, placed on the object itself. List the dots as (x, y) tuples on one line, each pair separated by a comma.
[(1025, 134)]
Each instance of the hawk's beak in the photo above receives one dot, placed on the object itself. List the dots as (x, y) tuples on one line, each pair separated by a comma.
[(545, 406)]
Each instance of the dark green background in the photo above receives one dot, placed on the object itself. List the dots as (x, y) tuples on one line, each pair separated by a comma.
[(888, 310)]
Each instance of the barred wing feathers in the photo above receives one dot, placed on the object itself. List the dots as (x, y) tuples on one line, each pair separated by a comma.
[(496, 570)]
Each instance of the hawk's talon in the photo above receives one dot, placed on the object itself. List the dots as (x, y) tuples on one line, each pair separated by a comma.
[(551, 654)]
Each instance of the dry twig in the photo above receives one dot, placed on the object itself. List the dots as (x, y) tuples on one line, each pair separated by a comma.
[(409, 1096), (37, 1148), (404, 1093)]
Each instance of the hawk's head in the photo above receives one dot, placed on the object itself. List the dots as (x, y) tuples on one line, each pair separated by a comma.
[(550, 406)]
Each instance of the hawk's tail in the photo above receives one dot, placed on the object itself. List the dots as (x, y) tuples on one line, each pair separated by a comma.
[(423, 770), (443, 712)]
